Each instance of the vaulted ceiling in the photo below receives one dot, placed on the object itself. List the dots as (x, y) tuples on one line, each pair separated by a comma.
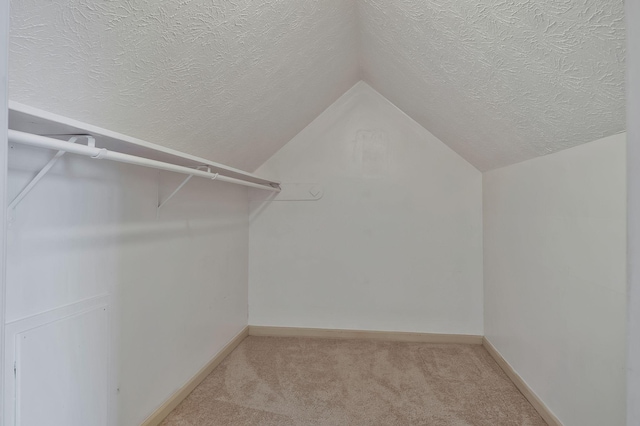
[(499, 81)]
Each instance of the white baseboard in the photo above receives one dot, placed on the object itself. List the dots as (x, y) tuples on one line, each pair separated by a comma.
[(163, 411), (528, 393), (395, 336)]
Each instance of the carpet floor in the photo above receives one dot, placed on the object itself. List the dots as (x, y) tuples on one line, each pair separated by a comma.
[(296, 381)]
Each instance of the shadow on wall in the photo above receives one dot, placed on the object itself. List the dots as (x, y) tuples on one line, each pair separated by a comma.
[(105, 284)]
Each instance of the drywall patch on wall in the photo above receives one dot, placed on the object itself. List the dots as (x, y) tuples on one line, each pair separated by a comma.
[(555, 278), (229, 80), (395, 241), (372, 153), (500, 81)]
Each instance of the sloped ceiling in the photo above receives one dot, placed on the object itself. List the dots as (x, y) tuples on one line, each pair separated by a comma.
[(231, 81), (499, 81)]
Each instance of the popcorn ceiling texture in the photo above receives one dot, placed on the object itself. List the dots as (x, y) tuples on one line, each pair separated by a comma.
[(499, 81), (231, 81)]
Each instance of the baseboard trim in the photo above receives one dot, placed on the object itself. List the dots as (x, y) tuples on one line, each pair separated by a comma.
[(524, 389), (167, 407), (395, 336)]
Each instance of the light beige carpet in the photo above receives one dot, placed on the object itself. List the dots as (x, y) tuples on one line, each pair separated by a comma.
[(294, 381)]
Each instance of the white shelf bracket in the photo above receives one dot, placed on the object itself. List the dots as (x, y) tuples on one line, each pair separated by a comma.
[(184, 182), (12, 206)]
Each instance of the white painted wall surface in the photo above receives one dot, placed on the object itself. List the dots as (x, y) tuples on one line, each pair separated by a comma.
[(633, 212), (4, 98), (554, 268), (176, 287), (395, 242)]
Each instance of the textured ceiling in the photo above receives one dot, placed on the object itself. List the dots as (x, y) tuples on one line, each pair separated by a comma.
[(231, 81), (499, 81)]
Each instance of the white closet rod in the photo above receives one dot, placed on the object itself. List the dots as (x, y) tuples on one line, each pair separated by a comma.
[(104, 154)]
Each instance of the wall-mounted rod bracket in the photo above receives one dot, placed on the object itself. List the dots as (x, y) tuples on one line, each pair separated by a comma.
[(12, 206), (121, 157), (184, 182), (300, 192)]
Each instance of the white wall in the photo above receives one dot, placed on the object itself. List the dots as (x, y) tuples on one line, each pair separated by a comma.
[(554, 269), (87, 239), (633, 212), (4, 48), (393, 244)]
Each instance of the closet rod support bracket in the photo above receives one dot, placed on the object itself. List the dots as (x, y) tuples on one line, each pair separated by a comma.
[(38, 177), (184, 182)]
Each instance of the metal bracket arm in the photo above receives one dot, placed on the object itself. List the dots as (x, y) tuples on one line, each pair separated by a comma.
[(184, 182), (91, 142)]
